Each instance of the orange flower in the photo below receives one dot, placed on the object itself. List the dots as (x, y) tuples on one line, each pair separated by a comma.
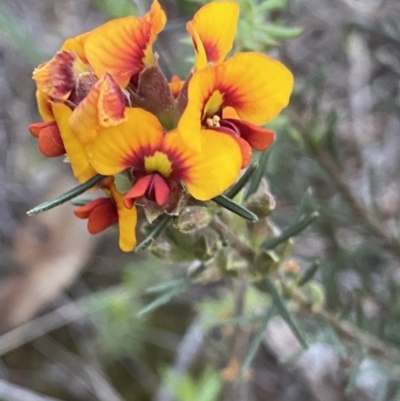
[(234, 98), (123, 47), (49, 138), (160, 163), (75, 150), (105, 212), (212, 30)]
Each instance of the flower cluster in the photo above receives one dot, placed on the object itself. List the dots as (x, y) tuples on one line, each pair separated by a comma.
[(108, 107)]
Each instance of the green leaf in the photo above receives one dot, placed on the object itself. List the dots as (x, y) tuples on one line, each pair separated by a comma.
[(280, 31), (291, 231), (258, 175), (115, 8), (271, 5), (73, 193), (172, 289), (237, 187), (155, 232), (256, 342), (283, 311), (309, 273), (306, 204), (234, 207)]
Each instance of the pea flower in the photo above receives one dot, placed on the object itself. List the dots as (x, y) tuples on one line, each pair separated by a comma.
[(108, 107), (107, 211), (235, 96), (161, 164)]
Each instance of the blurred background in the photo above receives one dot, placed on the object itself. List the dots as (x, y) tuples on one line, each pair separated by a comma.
[(70, 302)]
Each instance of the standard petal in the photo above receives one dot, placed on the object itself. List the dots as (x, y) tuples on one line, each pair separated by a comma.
[(126, 145), (76, 45), (44, 106), (75, 151), (256, 86), (104, 106), (122, 47), (213, 29), (207, 174), (57, 77)]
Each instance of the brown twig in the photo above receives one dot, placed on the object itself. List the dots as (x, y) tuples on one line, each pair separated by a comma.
[(344, 328), (348, 330), (359, 209)]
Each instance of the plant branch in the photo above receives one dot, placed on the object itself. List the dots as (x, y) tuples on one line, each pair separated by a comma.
[(349, 330), (359, 209)]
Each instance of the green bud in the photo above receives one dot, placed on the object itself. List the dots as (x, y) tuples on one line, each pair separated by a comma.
[(193, 218), (315, 294), (206, 244), (265, 262), (262, 203)]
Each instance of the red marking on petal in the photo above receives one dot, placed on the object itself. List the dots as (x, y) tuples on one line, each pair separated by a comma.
[(112, 102), (56, 78)]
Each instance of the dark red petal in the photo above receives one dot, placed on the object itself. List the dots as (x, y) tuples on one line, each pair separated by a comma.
[(139, 188), (161, 189), (102, 217), (50, 141), (245, 148), (35, 128), (84, 211), (101, 213), (259, 138)]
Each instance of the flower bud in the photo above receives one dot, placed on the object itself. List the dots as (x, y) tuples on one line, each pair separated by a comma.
[(206, 244), (193, 218), (262, 203)]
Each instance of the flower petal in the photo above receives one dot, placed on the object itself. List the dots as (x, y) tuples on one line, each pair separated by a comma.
[(76, 45), (213, 29), (75, 151), (259, 138), (50, 141), (161, 189), (126, 145), (44, 106), (104, 106), (139, 188), (122, 47), (254, 85), (205, 175), (127, 219), (101, 214), (57, 77)]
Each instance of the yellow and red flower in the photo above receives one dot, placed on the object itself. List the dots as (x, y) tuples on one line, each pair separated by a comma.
[(212, 34), (234, 98), (160, 163), (106, 103), (107, 211)]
